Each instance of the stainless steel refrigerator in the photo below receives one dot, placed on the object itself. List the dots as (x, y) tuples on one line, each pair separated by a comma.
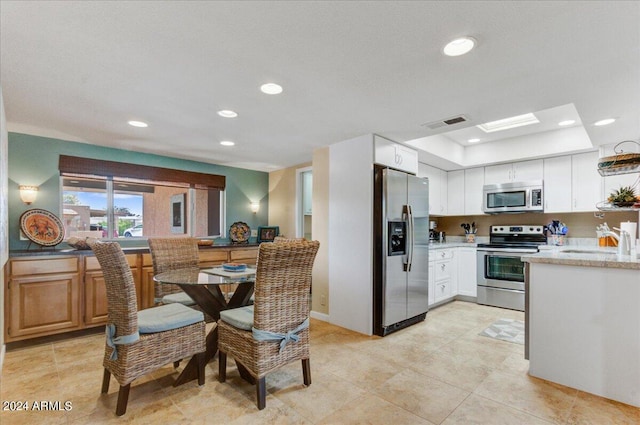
[(401, 250)]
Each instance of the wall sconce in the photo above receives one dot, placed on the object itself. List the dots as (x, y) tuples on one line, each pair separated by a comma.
[(28, 194), (255, 207)]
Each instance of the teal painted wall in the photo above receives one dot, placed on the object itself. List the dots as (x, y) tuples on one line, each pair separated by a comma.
[(33, 160)]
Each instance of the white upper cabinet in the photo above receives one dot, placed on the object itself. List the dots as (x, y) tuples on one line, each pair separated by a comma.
[(514, 172), (557, 184), (455, 192), (437, 188), (586, 182), (473, 182)]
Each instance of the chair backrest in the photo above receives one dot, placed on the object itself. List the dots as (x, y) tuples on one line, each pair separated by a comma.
[(173, 253), (279, 239), (122, 306), (170, 254), (283, 284)]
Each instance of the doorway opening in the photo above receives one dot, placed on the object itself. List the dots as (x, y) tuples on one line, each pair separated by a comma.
[(304, 213)]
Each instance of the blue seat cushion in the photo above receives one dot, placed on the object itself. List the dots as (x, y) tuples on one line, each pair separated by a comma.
[(241, 317), (179, 298), (167, 317)]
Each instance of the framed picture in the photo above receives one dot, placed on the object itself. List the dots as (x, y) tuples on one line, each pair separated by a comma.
[(178, 224), (267, 233)]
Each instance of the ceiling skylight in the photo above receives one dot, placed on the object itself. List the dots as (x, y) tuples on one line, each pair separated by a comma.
[(507, 123)]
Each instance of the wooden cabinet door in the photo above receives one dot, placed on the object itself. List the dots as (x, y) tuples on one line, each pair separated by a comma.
[(95, 304), (95, 292), (43, 304)]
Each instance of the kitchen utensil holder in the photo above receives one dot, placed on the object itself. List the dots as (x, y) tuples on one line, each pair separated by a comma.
[(470, 237), (557, 240)]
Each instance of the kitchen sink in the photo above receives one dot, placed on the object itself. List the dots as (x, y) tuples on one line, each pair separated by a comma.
[(585, 251)]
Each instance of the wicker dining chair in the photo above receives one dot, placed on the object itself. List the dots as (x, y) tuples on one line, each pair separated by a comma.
[(274, 331), (139, 342), (170, 254)]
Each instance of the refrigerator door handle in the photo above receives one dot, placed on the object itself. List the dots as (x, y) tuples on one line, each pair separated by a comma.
[(407, 267)]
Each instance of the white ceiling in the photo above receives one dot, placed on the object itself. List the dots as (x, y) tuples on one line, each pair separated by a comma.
[(80, 70)]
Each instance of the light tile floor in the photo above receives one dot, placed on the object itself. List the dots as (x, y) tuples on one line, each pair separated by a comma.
[(436, 372)]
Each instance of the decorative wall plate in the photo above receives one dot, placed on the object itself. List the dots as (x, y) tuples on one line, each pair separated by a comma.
[(239, 232), (42, 227)]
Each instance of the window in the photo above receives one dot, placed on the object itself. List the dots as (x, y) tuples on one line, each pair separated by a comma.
[(138, 209), (110, 206)]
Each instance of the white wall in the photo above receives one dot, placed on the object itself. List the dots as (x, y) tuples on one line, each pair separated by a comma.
[(350, 234)]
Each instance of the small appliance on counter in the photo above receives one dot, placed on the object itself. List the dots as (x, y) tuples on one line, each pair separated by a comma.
[(433, 233)]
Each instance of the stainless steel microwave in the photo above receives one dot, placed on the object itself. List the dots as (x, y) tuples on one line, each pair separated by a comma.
[(513, 197)]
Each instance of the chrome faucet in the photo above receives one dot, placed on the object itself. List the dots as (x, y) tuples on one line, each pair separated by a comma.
[(624, 240)]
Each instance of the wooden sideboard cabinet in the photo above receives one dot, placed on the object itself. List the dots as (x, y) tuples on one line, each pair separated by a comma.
[(51, 294), (43, 296)]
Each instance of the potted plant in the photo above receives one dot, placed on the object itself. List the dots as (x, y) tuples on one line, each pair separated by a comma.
[(623, 197)]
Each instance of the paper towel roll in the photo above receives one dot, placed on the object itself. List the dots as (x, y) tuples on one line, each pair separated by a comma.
[(632, 228)]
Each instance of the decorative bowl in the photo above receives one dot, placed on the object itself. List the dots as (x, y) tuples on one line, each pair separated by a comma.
[(205, 242), (234, 267)]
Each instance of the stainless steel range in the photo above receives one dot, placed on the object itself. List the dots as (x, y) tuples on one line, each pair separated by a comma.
[(500, 269)]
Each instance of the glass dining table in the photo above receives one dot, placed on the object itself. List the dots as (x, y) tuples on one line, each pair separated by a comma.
[(210, 289)]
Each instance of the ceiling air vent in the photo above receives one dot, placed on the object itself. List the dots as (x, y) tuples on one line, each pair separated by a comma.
[(446, 122)]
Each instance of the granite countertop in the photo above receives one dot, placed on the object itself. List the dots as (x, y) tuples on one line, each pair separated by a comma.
[(127, 250), (443, 245), (585, 257)]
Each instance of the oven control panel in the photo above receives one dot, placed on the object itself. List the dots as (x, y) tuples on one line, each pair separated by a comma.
[(517, 229)]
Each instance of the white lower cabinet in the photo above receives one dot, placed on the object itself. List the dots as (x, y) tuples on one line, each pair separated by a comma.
[(432, 278), (452, 271), (467, 274)]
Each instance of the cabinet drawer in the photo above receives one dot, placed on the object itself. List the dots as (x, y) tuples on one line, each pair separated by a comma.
[(442, 254), (244, 254), (213, 256), (43, 266), (91, 263), (147, 260), (443, 270), (443, 290)]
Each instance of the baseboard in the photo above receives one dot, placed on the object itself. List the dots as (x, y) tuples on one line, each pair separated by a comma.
[(320, 316), (466, 298)]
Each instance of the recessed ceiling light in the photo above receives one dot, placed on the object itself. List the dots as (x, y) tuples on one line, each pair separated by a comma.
[(459, 46), (138, 124), (604, 122), (507, 123), (226, 113), (473, 140), (566, 122), (227, 143), (271, 88)]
